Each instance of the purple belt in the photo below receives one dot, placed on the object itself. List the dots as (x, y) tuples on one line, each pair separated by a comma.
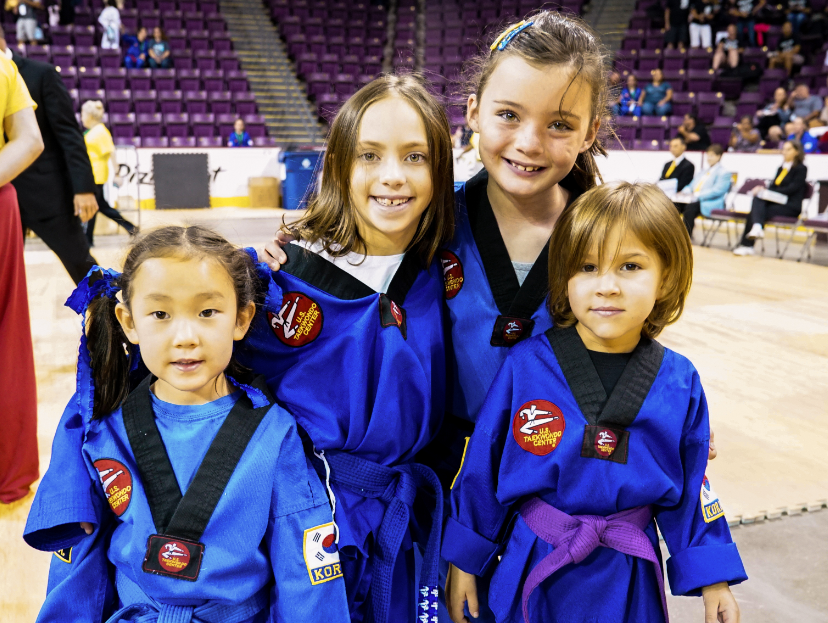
[(576, 537)]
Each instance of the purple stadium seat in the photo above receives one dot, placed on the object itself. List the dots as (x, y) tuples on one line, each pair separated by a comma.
[(699, 80), (85, 95), (213, 80), (195, 102), (145, 5), (146, 102), (63, 55), (127, 141), (699, 58), (222, 41), (646, 145), (748, 104), (220, 103), (198, 40), (204, 125), (139, 79), (177, 124), (755, 56), (155, 141), (150, 19), (189, 79), (129, 19), (709, 105), (177, 40), (677, 79), (730, 87), (813, 76), (344, 84), (172, 21), (654, 128), (245, 103), (674, 60), (61, 35), (119, 102), (111, 58), (255, 125), (236, 80), (182, 141), (115, 79), (627, 129), (210, 141), (163, 79), (83, 17), (720, 136), (264, 141), (194, 20), (90, 78), (225, 124), (40, 53), (69, 75), (187, 5), (216, 23), (649, 60), (166, 6), (149, 125), (86, 56), (171, 102), (205, 59), (122, 125), (183, 59), (228, 61), (683, 103)]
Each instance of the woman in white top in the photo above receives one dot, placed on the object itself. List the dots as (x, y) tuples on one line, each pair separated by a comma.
[(110, 21)]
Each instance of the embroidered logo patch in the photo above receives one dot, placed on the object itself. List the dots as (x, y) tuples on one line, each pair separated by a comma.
[(452, 273), (299, 320), (322, 554), (117, 484), (711, 506), (538, 427), (392, 315), (605, 442), (509, 330), (512, 330), (65, 554), (173, 557)]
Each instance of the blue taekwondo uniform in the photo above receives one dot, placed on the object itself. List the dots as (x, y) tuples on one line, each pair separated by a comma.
[(364, 373), (564, 482)]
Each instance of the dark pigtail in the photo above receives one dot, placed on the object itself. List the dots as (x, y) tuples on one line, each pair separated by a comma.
[(110, 354)]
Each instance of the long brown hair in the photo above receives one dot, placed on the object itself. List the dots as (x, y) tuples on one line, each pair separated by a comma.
[(332, 218), (554, 39), (110, 351)]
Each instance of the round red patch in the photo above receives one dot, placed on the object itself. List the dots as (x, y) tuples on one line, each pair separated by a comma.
[(605, 442), (174, 557), (452, 273), (512, 330), (538, 427), (117, 484), (299, 320)]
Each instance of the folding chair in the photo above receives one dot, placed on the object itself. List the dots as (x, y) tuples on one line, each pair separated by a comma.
[(707, 230), (813, 226), (728, 215), (789, 222)]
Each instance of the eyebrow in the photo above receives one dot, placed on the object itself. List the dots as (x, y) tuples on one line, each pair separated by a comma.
[(563, 113), (409, 145), (156, 296)]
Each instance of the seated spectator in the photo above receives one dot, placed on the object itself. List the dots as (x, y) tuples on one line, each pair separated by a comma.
[(138, 50), (703, 13), (679, 169), (694, 133), (804, 105), (798, 12), (159, 50), (676, 16), (790, 181), (773, 117), (709, 188), (628, 101), (745, 137), (787, 51), (239, 137), (27, 20), (728, 48), (657, 96), (110, 21), (800, 134)]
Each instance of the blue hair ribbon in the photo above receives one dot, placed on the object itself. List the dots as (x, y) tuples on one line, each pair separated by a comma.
[(510, 33)]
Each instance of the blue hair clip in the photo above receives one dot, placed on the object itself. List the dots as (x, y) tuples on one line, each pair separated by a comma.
[(510, 33)]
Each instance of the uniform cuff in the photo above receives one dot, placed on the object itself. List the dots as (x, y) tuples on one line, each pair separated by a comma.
[(696, 567), (466, 549), (53, 527)]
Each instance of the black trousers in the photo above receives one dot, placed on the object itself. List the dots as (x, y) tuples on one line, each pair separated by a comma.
[(691, 211), (108, 211), (63, 234), (762, 211)]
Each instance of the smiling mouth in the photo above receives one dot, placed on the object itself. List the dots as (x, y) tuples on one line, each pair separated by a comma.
[(607, 311), (186, 365), (522, 167), (387, 202)]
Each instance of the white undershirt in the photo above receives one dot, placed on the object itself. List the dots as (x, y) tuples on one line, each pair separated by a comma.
[(375, 271)]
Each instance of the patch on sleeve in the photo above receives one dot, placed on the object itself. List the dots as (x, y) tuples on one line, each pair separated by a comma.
[(321, 554), (452, 273), (710, 504), (299, 320), (65, 554)]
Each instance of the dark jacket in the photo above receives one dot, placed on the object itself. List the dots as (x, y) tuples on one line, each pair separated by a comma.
[(793, 185), (684, 173), (63, 168)]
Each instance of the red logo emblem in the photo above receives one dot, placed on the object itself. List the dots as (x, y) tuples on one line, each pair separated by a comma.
[(512, 330), (538, 427), (452, 273), (174, 557), (299, 320), (117, 484), (605, 442), (397, 313)]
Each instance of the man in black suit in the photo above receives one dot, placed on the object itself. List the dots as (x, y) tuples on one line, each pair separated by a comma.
[(57, 192), (679, 168)]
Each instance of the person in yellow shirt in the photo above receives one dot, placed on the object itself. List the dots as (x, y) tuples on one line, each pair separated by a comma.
[(18, 400), (101, 152)]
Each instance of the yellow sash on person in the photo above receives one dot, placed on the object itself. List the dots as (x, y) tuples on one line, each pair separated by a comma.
[(780, 177), (671, 169), (702, 181)]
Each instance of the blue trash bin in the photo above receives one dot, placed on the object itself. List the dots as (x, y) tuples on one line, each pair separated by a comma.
[(300, 169)]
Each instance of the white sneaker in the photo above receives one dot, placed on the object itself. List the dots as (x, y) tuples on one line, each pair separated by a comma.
[(740, 250), (756, 232)]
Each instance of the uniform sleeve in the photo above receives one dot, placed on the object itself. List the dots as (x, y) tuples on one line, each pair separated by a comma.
[(306, 565), (696, 531), (17, 94), (717, 190), (66, 495), (472, 532)]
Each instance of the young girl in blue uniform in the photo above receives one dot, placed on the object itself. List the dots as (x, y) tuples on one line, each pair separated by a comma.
[(204, 505), (592, 430)]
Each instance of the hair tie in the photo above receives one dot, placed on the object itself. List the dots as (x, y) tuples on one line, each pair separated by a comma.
[(510, 33)]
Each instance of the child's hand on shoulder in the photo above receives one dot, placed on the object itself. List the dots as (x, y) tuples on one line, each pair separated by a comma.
[(719, 604), (461, 587)]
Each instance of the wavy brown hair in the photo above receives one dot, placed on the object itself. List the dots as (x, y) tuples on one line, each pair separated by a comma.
[(332, 218), (640, 209)]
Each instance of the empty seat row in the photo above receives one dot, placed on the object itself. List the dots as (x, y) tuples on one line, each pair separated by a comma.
[(188, 141), (156, 125)]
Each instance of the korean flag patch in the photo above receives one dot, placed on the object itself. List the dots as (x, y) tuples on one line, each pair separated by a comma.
[(710, 504), (321, 554)]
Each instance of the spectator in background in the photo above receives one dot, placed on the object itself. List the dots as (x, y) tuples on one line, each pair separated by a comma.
[(27, 20), (159, 50), (239, 137), (702, 15), (101, 151), (628, 101), (773, 117), (110, 21), (676, 16), (804, 105), (799, 133), (656, 98), (679, 169), (823, 116), (790, 181), (744, 12), (787, 51), (745, 137), (709, 188), (798, 12), (728, 48), (694, 133), (138, 50)]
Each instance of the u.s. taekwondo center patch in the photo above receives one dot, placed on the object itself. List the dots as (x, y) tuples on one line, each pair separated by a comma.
[(322, 554), (711, 506), (452, 273), (298, 321), (116, 482), (538, 427)]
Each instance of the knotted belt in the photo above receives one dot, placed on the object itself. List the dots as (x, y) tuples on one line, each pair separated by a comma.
[(398, 486), (576, 537)]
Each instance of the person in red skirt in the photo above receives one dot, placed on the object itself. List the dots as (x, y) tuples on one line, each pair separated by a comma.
[(18, 398)]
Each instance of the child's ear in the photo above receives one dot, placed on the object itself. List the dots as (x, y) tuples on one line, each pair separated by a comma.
[(665, 283), (243, 320), (473, 114), (127, 322), (591, 135)]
